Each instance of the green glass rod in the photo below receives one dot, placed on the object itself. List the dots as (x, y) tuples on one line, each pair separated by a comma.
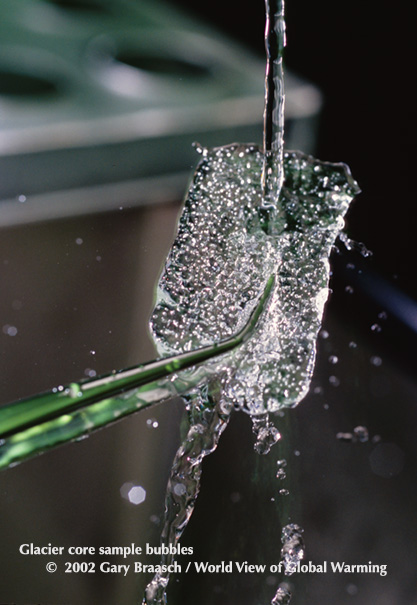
[(81, 407)]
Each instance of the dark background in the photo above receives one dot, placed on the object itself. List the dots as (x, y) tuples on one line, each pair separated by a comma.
[(361, 57), (361, 54)]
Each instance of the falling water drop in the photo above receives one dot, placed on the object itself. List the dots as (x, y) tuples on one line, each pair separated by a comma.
[(292, 551)]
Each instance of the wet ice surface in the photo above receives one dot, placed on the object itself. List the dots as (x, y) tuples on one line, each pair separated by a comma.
[(227, 246)]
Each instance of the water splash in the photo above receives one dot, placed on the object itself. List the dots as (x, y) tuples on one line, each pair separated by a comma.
[(292, 551), (202, 299), (248, 214), (282, 596), (281, 472), (208, 417), (265, 432), (360, 434)]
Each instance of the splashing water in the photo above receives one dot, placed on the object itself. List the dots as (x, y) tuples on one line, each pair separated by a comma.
[(292, 550), (248, 214), (208, 417), (223, 256), (282, 596)]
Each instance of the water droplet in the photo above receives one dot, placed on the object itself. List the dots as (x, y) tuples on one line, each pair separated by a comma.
[(152, 423), (282, 596), (353, 345), (352, 589), (292, 551), (10, 330), (266, 434), (137, 494), (281, 474), (349, 290), (334, 381), (383, 315), (324, 334), (361, 433), (79, 241), (376, 328), (344, 436), (90, 372), (235, 497), (22, 199), (376, 361), (284, 492), (333, 359)]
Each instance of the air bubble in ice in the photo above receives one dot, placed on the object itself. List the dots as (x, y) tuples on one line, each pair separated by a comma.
[(206, 298)]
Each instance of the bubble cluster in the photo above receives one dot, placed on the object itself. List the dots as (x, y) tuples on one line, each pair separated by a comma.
[(227, 246)]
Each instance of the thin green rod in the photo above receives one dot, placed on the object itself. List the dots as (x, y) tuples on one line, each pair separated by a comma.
[(65, 413)]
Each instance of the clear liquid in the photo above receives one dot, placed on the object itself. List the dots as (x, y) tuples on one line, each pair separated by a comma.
[(273, 135), (243, 221)]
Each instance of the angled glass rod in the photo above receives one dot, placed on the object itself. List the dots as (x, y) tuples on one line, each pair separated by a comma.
[(66, 413)]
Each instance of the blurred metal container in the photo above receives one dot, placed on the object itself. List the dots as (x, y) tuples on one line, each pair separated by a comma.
[(100, 101)]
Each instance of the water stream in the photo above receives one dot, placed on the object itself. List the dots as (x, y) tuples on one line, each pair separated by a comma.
[(248, 214)]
